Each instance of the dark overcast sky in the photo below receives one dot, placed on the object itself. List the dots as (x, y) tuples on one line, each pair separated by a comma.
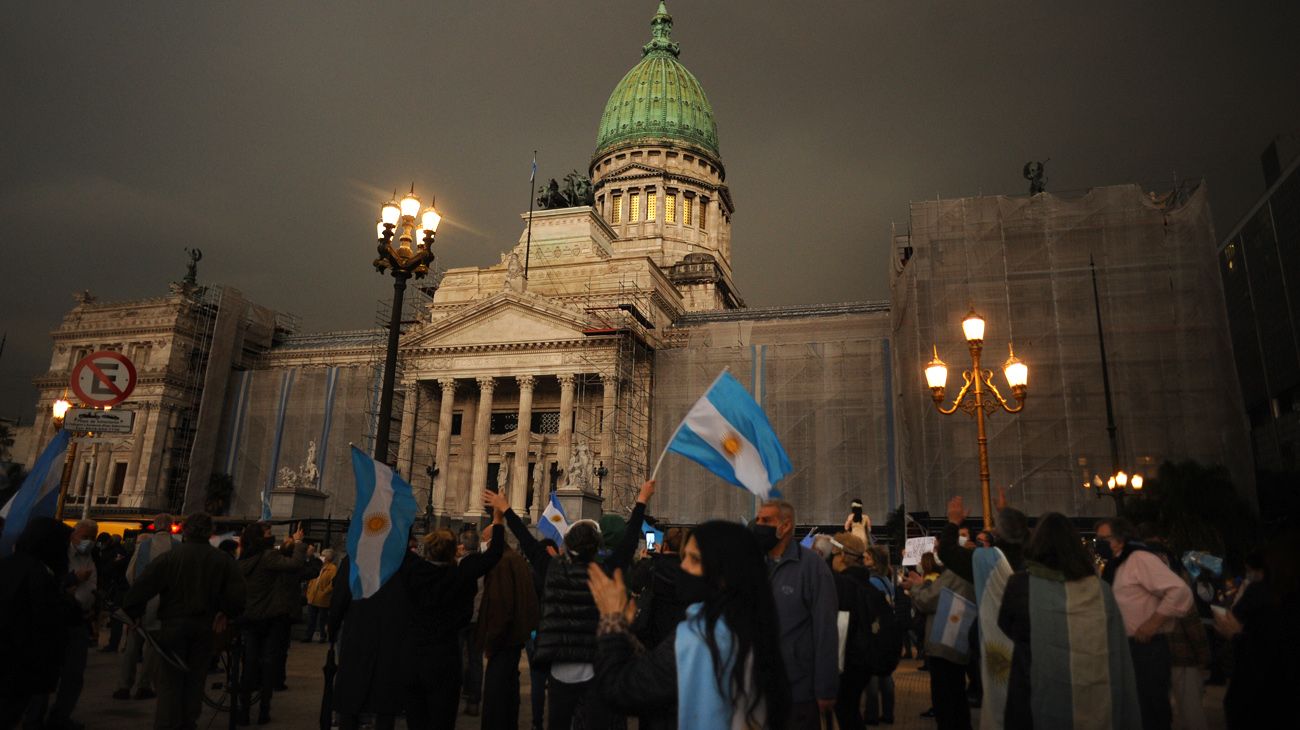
[(267, 133)]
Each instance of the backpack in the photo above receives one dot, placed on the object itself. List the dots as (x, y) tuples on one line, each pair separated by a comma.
[(886, 645)]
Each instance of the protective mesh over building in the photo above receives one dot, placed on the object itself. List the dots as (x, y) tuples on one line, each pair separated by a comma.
[(1023, 263), (824, 376)]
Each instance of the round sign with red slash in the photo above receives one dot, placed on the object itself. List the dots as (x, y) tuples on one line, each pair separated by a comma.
[(103, 379)]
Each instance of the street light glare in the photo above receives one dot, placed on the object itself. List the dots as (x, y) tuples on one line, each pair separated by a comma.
[(430, 219), (60, 409), (390, 213), (936, 373), (410, 205), (1137, 482), (1016, 371), (973, 327)]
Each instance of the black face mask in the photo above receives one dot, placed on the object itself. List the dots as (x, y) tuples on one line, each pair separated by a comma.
[(766, 535), (1101, 546), (691, 588)]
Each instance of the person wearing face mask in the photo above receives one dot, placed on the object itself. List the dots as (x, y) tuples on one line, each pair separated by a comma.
[(1151, 598), (720, 668), (806, 606), (852, 586), (82, 580), (858, 523)]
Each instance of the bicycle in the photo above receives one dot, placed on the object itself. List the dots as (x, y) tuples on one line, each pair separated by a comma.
[(222, 693)]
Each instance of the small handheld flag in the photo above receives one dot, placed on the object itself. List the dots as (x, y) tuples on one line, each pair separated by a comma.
[(554, 523), (952, 621), (385, 510), (727, 433), (39, 494)]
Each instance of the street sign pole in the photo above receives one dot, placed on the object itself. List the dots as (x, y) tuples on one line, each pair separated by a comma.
[(101, 380)]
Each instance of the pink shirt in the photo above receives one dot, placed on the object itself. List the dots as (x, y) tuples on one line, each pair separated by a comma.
[(1145, 585)]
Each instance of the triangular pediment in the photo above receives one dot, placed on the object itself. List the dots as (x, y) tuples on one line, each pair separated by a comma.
[(504, 318), (632, 168)]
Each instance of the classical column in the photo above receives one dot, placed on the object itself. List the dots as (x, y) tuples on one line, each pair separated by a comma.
[(142, 417), (566, 425), (609, 386), (442, 453), (482, 432), (519, 480), (406, 447)]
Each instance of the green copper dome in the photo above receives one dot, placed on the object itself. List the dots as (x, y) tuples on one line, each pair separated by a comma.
[(658, 99)]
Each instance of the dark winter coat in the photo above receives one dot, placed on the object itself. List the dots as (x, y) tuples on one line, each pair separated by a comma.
[(508, 613), (34, 620), (654, 580), (376, 657), (272, 582), (634, 681)]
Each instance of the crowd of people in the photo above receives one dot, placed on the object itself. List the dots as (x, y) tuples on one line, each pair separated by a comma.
[(722, 625)]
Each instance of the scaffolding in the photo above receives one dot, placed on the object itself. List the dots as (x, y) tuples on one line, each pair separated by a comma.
[(205, 304)]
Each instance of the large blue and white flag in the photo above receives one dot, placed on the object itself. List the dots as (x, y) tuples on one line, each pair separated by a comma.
[(554, 522), (727, 433), (952, 621), (384, 512), (39, 494)]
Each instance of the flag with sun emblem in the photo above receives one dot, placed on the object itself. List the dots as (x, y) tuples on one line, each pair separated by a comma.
[(727, 433), (384, 512)]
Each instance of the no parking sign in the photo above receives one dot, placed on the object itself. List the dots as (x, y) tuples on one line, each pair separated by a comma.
[(103, 379)]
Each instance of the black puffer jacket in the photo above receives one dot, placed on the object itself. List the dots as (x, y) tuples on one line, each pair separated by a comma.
[(567, 630)]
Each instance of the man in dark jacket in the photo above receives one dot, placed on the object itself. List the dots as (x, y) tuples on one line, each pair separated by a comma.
[(35, 614), (507, 616), (654, 581), (806, 602), (199, 590)]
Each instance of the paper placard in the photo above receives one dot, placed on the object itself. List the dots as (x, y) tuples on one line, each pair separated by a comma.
[(918, 546)]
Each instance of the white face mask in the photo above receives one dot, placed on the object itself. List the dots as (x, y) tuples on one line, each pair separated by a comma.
[(962, 540), (83, 547)]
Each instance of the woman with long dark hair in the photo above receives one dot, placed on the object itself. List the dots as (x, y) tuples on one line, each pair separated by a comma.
[(1071, 665), (722, 667)]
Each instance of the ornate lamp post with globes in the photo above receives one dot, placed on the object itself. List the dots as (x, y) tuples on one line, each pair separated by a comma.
[(977, 382), (58, 410), (410, 257)]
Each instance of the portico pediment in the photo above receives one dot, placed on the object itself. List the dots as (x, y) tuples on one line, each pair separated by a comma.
[(504, 318)]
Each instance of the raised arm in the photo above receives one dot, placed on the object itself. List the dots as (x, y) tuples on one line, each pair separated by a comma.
[(528, 545), (955, 557), (473, 567), (623, 552)]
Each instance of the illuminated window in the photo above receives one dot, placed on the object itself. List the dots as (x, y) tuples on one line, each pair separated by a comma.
[(670, 208), (616, 209), (686, 210), (634, 208), (651, 202), (704, 206)]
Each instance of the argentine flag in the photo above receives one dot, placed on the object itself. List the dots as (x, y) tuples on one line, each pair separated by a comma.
[(39, 494), (554, 522), (728, 434), (952, 621), (384, 512)]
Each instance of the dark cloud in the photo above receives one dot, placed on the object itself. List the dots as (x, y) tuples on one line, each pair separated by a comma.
[(266, 133)]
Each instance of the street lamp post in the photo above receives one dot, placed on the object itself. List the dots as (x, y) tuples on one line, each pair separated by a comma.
[(411, 257), (432, 471), (1117, 486), (600, 472), (977, 380)]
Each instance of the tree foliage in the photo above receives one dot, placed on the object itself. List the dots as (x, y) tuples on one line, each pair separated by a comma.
[(221, 487), (1198, 508)]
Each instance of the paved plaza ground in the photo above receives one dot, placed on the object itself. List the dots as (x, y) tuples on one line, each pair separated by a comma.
[(299, 706)]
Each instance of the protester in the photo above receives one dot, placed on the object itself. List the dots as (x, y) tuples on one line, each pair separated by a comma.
[(1071, 665), (720, 668), (150, 548), (442, 593), (111, 560), (199, 590), (858, 522), (566, 632), (1151, 599), (887, 636), (266, 620), (654, 583), (1264, 634), (852, 584), (507, 617), (82, 580), (804, 591), (319, 591), (35, 615), (471, 657), (946, 653), (539, 674)]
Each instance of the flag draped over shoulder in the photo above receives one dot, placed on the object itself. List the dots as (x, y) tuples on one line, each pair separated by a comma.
[(384, 512), (992, 569), (39, 494), (554, 523), (952, 620), (727, 433)]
